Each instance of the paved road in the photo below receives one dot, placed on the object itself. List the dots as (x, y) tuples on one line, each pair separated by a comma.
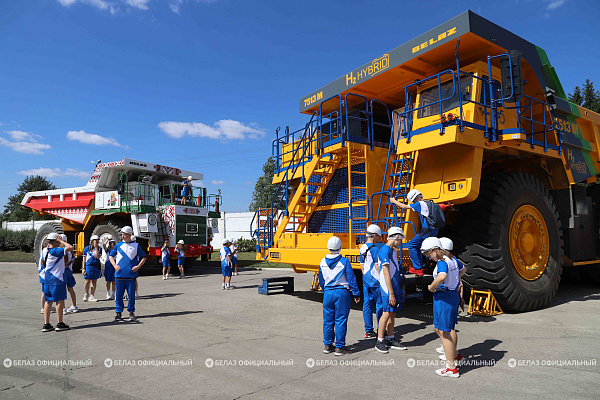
[(195, 341)]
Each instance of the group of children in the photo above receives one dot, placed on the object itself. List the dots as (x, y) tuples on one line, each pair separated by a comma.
[(229, 262), (121, 264), (166, 258), (382, 290)]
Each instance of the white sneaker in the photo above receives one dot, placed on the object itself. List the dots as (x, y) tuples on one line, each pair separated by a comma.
[(228, 287), (164, 278), (222, 288), (65, 311), (167, 276), (136, 295), (72, 309), (43, 309), (92, 298), (86, 297), (440, 349), (112, 295), (108, 296), (448, 372)]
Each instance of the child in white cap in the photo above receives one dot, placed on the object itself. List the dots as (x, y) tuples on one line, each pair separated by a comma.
[(52, 267), (226, 264), (180, 250)]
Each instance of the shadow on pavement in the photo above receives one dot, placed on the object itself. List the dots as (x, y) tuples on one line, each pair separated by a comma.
[(139, 317)]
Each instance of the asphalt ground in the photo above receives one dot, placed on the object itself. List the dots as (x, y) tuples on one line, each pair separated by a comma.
[(195, 341)]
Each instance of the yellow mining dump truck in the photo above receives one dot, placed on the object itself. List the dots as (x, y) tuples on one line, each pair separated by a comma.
[(467, 113)]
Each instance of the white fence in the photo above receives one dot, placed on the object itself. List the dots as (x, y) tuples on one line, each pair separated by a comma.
[(25, 225), (232, 226)]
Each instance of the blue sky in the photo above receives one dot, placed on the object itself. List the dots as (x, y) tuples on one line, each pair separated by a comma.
[(202, 84)]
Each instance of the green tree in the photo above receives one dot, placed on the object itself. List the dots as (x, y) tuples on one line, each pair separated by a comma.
[(14, 212), (586, 97), (264, 190), (576, 97)]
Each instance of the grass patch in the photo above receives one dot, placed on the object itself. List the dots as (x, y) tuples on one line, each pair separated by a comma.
[(16, 256), (246, 260)]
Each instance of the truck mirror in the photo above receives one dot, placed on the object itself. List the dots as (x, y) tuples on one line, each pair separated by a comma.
[(512, 86)]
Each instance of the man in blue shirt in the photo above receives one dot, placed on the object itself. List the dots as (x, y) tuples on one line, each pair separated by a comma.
[(414, 245), (339, 286), (127, 257), (52, 268)]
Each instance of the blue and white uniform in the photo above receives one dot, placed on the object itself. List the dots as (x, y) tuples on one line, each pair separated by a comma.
[(446, 298), (180, 256), (53, 273), (369, 262), (69, 278), (166, 257), (127, 256), (234, 258), (92, 262), (109, 269), (339, 285), (225, 266), (186, 188), (388, 256), (414, 246)]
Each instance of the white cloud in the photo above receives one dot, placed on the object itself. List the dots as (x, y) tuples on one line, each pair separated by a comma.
[(223, 129), (24, 142), (175, 5), (554, 4), (56, 172), (92, 138), (139, 4), (217, 182)]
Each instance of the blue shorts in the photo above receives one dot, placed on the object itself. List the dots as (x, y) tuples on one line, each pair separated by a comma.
[(166, 262), (69, 278), (91, 273), (109, 272), (186, 191), (55, 293), (180, 261), (227, 271), (445, 309), (385, 302)]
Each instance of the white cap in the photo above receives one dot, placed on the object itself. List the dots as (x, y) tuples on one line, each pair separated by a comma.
[(334, 244), (447, 243), (225, 241), (181, 242), (126, 229), (394, 230), (112, 239), (189, 178), (94, 237), (63, 237), (374, 230), (412, 195), (133, 238), (52, 236), (430, 243)]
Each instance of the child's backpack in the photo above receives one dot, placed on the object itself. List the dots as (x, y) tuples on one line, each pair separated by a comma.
[(436, 217)]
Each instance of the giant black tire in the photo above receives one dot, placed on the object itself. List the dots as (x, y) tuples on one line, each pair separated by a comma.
[(42, 234), (481, 234)]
